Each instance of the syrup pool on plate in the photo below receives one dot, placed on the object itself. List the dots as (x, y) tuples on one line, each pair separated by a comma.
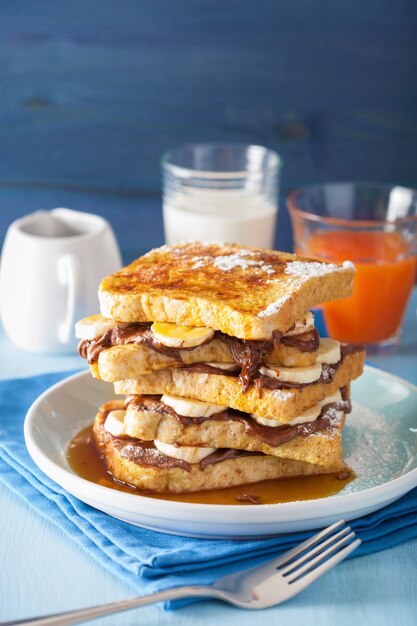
[(84, 460)]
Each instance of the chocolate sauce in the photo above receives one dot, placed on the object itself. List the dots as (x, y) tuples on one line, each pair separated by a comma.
[(117, 336), (90, 349), (327, 375), (248, 497), (271, 435), (223, 454), (307, 342), (145, 453), (151, 403), (277, 435), (249, 356), (150, 341), (154, 404), (351, 348), (244, 353), (266, 382), (138, 451), (205, 368), (277, 335)]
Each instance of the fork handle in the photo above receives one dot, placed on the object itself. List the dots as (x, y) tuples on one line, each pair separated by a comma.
[(75, 617)]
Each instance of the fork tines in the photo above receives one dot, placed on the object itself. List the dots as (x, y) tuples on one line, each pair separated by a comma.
[(313, 557)]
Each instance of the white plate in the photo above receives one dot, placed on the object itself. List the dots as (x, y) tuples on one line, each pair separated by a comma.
[(380, 443)]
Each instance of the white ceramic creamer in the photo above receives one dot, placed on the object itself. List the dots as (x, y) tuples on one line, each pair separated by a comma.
[(51, 266)]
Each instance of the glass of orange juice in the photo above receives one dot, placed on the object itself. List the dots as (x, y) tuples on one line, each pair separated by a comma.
[(375, 227)]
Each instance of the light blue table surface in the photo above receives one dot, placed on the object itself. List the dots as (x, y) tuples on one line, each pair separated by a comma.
[(42, 571)]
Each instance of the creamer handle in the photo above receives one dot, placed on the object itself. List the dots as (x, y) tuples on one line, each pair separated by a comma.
[(70, 274)]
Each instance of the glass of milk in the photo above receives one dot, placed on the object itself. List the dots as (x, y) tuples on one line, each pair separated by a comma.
[(221, 192)]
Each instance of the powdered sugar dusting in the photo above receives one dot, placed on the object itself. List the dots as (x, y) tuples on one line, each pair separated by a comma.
[(301, 271), (310, 269), (372, 448), (244, 259), (275, 306), (230, 261), (197, 264), (281, 394), (334, 417)]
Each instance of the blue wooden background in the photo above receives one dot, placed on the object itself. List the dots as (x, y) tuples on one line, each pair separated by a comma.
[(93, 91)]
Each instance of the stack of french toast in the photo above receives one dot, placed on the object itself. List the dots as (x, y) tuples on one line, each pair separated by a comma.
[(224, 376)]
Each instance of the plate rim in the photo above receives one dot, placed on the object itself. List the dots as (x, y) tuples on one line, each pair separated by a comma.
[(119, 498)]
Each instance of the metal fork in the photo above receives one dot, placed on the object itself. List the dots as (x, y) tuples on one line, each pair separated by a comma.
[(254, 588)]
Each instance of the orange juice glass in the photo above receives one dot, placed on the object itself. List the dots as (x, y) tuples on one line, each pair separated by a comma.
[(375, 227)]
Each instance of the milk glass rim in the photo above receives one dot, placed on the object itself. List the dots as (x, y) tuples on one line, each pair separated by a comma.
[(187, 172), (291, 203)]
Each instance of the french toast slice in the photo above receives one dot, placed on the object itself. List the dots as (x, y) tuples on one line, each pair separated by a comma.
[(323, 447), (279, 404), (244, 292), (129, 360), (123, 459)]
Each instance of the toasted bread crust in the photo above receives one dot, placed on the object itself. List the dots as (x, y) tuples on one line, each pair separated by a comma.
[(128, 361), (228, 473), (321, 448), (244, 292), (281, 405)]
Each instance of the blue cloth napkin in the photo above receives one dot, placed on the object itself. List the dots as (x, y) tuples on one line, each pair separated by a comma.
[(149, 561)]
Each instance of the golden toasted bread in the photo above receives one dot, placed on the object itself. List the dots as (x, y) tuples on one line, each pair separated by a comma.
[(244, 292), (320, 448), (129, 360), (282, 405), (121, 461)]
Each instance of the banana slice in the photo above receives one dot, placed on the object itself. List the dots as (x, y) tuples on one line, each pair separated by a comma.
[(303, 325), (191, 408), (309, 415), (303, 375), (114, 423), (227, 367), (266, 422), (334, 397), (191, 454), (93, 326), (329, 351), (175, 336)]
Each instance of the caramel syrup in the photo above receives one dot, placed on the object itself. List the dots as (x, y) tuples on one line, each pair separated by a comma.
[(85, 461)]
